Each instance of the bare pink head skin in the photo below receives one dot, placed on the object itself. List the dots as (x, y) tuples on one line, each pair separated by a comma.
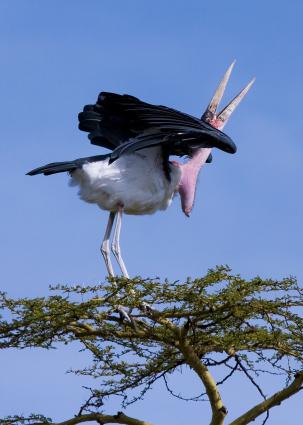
[(190, 170)]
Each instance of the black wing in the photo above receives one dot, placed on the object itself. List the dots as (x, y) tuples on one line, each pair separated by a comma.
[(125, 124)]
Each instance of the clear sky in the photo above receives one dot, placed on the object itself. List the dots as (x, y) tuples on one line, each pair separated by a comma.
[(55, 56)]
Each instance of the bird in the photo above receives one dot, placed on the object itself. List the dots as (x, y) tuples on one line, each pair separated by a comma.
[(138, 175)]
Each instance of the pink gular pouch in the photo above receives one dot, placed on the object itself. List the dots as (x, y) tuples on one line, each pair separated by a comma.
[(190, 170), (189, 176)]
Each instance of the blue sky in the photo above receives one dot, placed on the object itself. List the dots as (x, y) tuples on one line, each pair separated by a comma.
[(55, 57)]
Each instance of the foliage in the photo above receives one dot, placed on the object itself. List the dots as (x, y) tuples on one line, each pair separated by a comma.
[(141, 330)]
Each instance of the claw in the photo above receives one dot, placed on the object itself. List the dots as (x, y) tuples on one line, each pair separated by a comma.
[(219, 120)]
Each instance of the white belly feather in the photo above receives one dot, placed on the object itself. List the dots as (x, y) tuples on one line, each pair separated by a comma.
[(135, 181)]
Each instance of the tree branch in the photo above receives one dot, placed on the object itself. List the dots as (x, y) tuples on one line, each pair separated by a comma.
[(274, 400), (219, 411), (119, 418)]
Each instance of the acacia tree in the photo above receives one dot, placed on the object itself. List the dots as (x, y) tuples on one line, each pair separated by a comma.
[(140, 331)]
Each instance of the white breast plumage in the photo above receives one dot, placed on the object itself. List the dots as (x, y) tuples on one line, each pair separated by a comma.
[(135, 181)]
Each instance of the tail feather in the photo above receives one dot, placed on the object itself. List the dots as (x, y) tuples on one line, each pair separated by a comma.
[(66, 166)]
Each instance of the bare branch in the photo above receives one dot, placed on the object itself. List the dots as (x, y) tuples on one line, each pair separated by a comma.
[(101, 419), (250, 377), (274, 400)]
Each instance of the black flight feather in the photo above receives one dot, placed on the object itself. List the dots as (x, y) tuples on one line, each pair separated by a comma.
[(66, 166), (125, 124)]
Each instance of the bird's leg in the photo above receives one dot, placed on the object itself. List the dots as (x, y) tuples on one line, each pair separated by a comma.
[(105, 244), (116, 243), (106, 255), (117, 253)]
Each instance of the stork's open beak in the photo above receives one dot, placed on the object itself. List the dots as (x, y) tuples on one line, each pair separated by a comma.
[(219, 120)]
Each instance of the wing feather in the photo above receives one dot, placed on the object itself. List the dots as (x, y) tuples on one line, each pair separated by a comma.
[(125, 124)]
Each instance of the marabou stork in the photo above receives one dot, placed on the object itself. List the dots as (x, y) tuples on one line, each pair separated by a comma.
[(137, 177)]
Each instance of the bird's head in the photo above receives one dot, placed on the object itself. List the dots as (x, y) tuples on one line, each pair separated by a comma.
[(190, 170)]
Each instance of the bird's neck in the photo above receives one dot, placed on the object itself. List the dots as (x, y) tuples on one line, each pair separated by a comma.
[(189, 175)]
